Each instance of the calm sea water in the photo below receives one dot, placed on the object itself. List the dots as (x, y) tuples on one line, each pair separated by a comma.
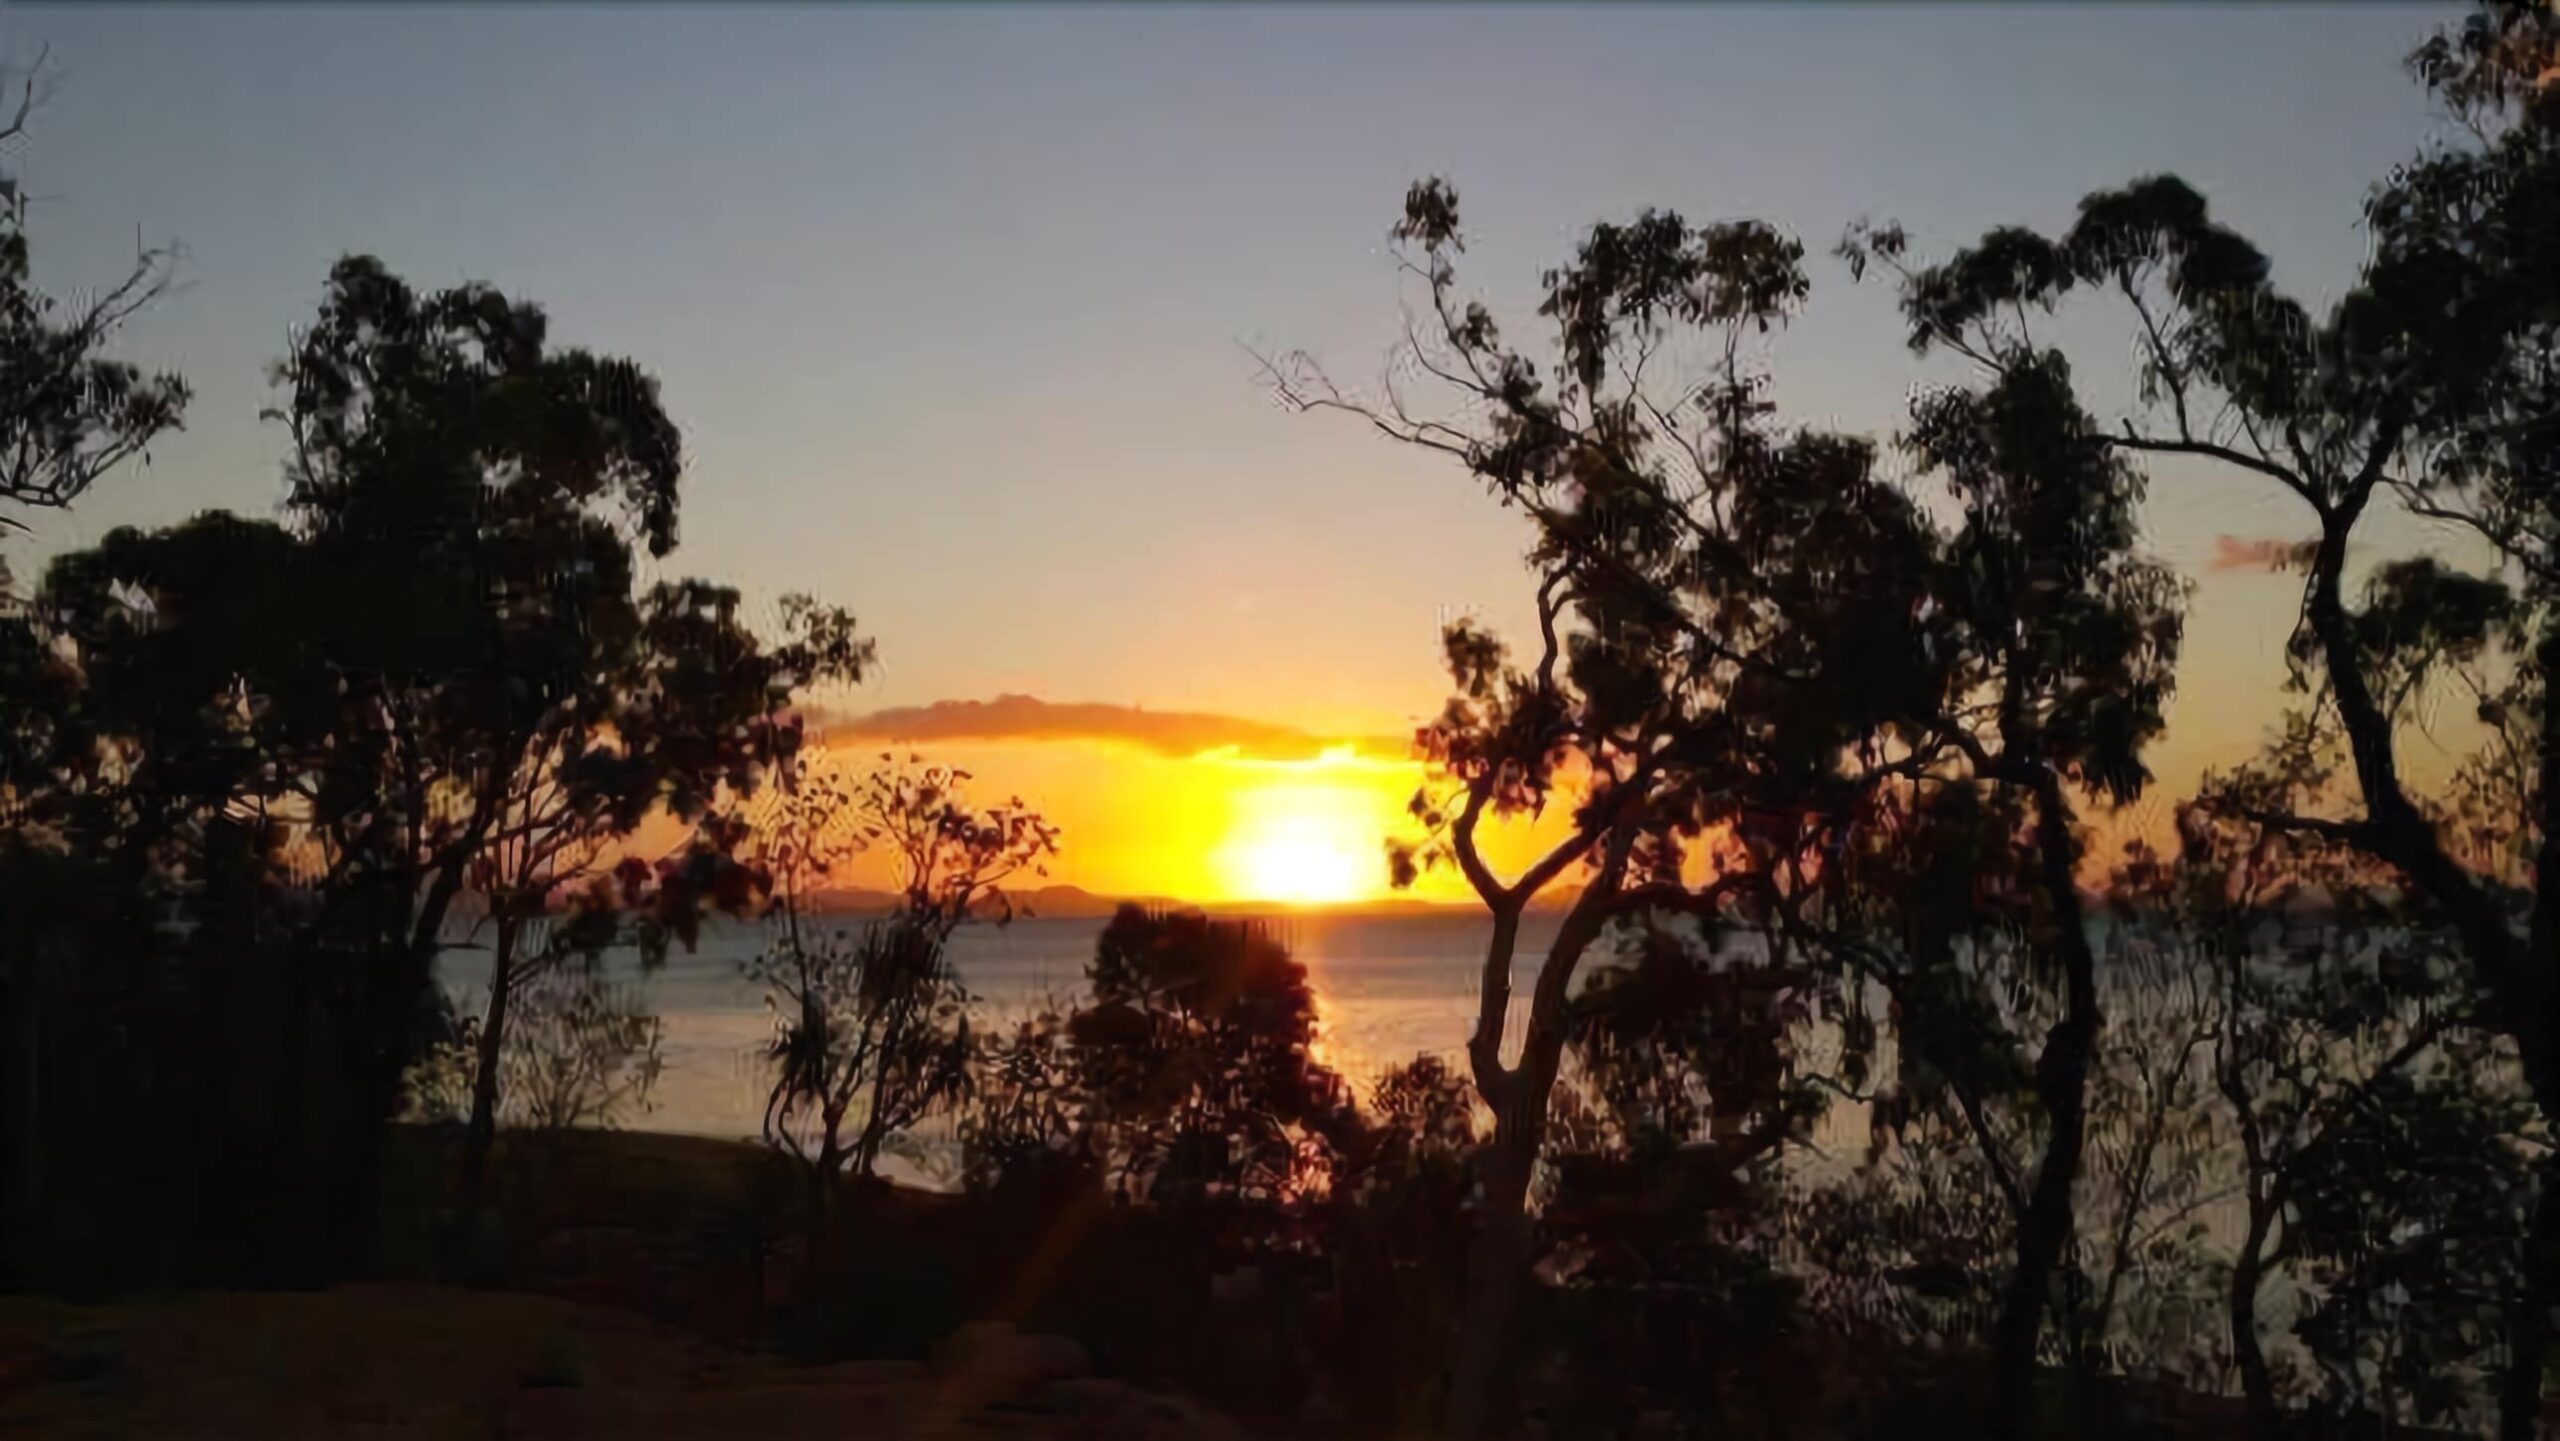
[(1387, 989)]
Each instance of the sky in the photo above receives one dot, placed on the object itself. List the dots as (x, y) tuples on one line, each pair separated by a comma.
[(955, 306)]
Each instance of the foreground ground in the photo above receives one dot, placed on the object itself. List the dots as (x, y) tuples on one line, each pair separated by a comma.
[(433, 1362), (651, 1286)]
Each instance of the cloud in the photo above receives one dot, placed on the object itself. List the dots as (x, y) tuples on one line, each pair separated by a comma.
[(2233, 553), (1171, 733)]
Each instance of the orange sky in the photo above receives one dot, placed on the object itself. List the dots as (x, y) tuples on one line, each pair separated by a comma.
[(1217, 808), (974, 369), (1218, 825)]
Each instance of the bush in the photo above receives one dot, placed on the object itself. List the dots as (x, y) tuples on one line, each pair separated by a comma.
[(578, 1051)]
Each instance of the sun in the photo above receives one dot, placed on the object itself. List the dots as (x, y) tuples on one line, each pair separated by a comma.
[(1301, 843), (1297, 862)]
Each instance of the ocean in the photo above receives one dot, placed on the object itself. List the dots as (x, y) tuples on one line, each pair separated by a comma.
[(1388, 987)]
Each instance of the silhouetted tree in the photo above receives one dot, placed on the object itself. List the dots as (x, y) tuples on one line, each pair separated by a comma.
[(671, 701), (1752, 643), (2072, 639), (583, 1052), (872, 1029), (2430, 382), (1179, 1122), (307, 740), (1197, 1053), (1685, 1061), (1029, 1117), (68, 415), (2364, 1096), (1397, 1266)]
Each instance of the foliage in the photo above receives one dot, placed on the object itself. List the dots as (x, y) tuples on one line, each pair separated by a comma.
[(2428, 384), (2409, 1223), (1690, 1083), (69, 415), (580, 1052), (875, 1015), (1197, 1053), (1422, 1113), (1754, 646), (2381, 1132), (871, 1015), (2140, 1296), (1679, 1047), (1028, 1117), (950, 859), (247, 732)]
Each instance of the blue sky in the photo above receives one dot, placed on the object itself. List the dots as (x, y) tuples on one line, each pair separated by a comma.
[(949, 303)]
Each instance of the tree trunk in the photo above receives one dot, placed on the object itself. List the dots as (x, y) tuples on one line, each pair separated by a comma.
[(2529, 1317), (1497, 1267), (28, 1002), (480, 1133), (1498, 1251), (875, 1121), (822, 1196), (2248, 1271), (2529, 1313), (2062, 1077), (2523, 980)]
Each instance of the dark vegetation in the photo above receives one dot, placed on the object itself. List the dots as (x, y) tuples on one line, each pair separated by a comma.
[(2249, 1136)]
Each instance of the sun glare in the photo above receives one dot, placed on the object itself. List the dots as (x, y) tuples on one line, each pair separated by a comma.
[(1301, 843)]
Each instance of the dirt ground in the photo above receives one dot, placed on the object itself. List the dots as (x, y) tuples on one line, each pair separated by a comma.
[(432, 1362)]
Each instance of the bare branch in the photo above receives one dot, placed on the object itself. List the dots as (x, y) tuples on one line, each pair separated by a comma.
[(2291, 479)]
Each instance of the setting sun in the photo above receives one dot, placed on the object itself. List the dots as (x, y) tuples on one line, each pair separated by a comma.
[(1304, 842)]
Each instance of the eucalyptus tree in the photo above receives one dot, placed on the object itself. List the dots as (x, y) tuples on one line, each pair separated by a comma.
[(872, 1026), (437, 675), (673, 704), (1757, 653), (68, 414), (2430, 383)]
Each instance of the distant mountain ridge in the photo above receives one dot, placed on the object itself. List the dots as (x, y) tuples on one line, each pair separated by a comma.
[(1076, 903), (1057, 902)]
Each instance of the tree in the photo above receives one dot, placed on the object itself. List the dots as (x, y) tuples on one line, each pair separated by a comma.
[(1686, 1089), (2382, 1131), (1644, 702), (1028, 1117), (582, 1052), (2429, 382), (1424, 1112), (1753, 645), (68, 415), (1397, 1263), (2073, 639), (434, 677), (2138, 1295), (875, 1018), (1197, 1055), (669, 704), (514, 707)]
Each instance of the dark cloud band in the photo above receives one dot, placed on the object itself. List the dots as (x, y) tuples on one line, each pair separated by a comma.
[(1172, 733)]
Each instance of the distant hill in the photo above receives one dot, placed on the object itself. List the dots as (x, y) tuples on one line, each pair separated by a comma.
[(1047, 902), (1077, 903)]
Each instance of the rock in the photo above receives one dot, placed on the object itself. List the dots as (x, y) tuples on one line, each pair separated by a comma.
[(992, 1359)]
